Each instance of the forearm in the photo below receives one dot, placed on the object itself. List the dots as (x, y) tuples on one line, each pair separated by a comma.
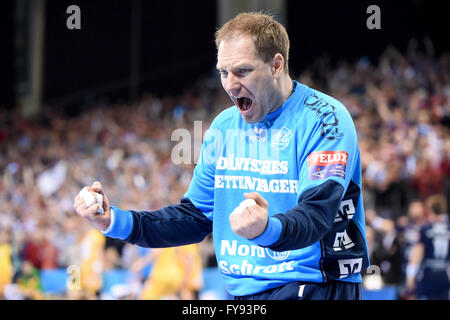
[(174, 225), (416, 257)]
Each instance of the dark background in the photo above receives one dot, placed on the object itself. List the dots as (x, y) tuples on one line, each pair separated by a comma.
[(177, 45), (339, 28)]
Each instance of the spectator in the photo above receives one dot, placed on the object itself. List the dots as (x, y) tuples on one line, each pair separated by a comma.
[(28, 282), (176, 273), (6, 266), (427, 271), (408, 228), (91, 263)]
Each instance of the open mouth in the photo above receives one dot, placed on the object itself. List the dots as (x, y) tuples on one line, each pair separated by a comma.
[(244, 103)]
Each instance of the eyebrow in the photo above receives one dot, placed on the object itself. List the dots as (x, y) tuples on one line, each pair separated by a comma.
[(238, 65)]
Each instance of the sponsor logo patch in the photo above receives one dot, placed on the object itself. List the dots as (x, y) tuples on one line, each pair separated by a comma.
[(324, 164), (349, 266), (278, 255), (282, 138)]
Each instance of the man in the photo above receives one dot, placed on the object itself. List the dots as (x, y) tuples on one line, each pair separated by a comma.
[(428, 270), (408, 229), (290, 149), (91, 255)]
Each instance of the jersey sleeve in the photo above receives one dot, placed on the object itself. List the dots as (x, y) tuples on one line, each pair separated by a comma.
[(201, 188), (326, 164), (332, 151), (422, 238), (174, 225)]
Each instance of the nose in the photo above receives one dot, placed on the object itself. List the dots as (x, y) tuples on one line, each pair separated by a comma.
[(232, 84)]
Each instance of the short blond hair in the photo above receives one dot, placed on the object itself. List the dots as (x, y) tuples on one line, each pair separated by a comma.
[(269, 35)]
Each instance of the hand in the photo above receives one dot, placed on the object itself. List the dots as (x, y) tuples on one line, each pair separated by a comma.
[(370, 215), (99, 221), (252, 221), (410, 284)]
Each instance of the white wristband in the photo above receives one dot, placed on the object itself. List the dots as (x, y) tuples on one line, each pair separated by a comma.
[(377, 223), (411, 270)]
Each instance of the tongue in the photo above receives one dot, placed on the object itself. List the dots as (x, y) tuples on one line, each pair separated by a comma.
[(244, 103)]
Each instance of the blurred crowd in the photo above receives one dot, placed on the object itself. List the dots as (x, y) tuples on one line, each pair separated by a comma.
[(401, 108)]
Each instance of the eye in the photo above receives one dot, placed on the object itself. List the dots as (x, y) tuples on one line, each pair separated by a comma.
[(223, 73)]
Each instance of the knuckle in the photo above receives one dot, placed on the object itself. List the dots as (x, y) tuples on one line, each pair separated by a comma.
[(80, 213)]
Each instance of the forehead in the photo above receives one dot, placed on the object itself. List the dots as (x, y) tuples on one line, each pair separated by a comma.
[(236, 49)]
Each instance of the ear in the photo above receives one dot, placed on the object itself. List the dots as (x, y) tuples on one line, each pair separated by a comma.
[(277, 65)]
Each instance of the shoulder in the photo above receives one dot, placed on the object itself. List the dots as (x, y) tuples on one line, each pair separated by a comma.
[(327, 115), (424, 229), (324, 104), (225, 120)]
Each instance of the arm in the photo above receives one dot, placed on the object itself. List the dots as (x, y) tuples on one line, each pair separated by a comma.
[(326, 164), (188, 222), (415, 259), (379, 223), (328, 161), (306, 223), (174, 225), (311, 219)]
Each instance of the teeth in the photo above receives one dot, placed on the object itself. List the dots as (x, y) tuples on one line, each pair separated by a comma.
[(243, 103)]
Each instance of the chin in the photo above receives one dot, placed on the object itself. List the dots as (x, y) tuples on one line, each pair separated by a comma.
[(250, 119)]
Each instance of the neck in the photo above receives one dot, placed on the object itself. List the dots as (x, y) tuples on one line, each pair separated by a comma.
[(286, 87)]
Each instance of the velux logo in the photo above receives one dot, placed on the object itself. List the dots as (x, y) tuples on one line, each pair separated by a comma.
[(324, 164)]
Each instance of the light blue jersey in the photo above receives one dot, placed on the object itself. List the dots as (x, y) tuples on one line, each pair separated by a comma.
[(307, 147)]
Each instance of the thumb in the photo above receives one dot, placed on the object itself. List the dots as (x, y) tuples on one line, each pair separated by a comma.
[(260, 201), (97, 187)]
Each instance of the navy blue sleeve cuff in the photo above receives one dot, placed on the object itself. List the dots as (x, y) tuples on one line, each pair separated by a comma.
[(271, 234)]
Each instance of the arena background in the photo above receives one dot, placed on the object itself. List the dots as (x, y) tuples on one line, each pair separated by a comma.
[(101, 103)]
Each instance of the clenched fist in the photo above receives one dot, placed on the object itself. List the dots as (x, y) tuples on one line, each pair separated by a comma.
[(91, 213), (252, 220)]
